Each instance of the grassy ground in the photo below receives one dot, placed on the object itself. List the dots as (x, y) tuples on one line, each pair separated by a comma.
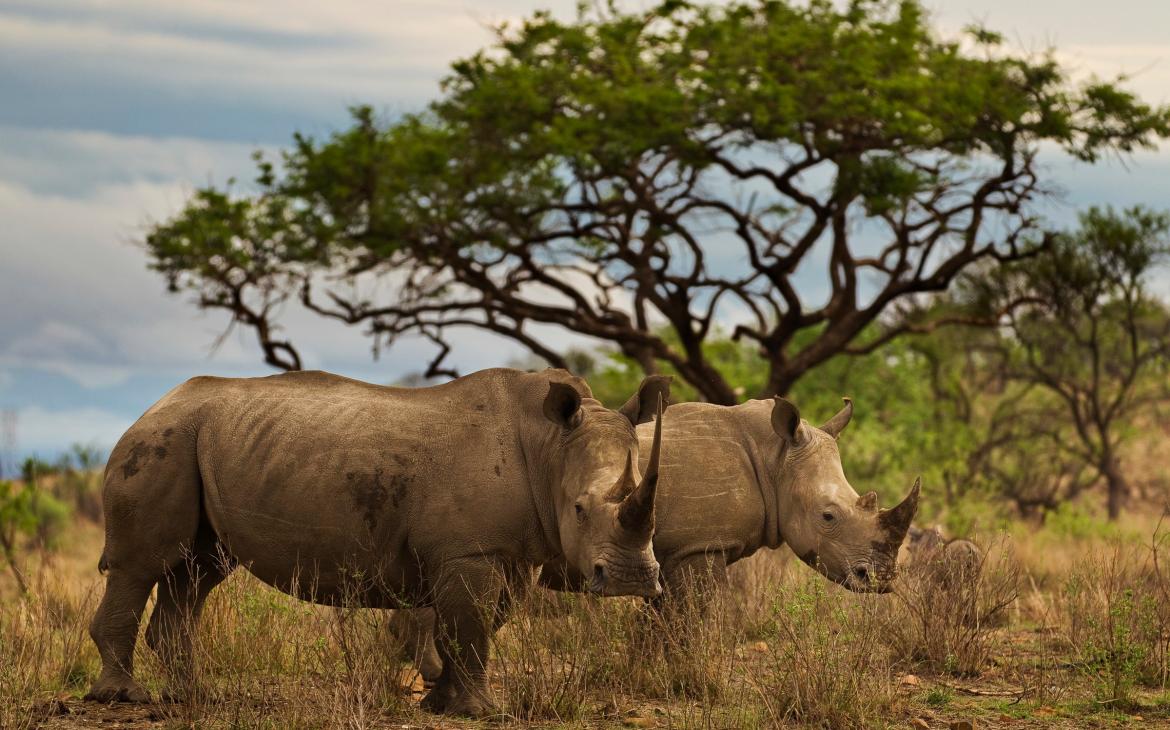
[(1064, 627)]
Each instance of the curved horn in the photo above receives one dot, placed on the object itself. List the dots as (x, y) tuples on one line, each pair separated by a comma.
[(835, 425), (897, 521), (637, 510)]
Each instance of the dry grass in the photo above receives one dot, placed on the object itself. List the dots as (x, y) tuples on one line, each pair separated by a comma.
[(1089, 637)]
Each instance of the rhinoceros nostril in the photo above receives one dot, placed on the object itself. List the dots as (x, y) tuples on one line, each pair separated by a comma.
[(862, 573), (597, 584)]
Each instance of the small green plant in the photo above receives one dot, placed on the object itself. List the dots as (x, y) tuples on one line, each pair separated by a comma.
[(939, 697), (1115, 651)]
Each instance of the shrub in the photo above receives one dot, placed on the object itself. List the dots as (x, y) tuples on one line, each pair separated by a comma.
[(1117, 619), (27, 513)]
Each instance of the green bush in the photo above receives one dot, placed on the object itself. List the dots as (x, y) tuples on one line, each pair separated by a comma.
[(28, 515)]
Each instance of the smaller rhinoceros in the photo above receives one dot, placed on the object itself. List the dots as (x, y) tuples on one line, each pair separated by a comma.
[(946, 562), (757, 476), (348, 493)]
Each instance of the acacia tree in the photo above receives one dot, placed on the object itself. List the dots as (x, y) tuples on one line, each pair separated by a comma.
[(789, 172), (1083, 328)]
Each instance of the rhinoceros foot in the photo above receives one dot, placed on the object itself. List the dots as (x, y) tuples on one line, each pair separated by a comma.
[(430, 666), (119, 689), (448, 700)]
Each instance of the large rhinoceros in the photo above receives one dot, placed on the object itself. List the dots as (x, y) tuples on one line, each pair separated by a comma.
[(343, 492), (737, 479)]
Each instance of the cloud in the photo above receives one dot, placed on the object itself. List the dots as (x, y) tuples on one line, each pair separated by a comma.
[(50, 431), (77, 299), (77, 163), (66, 349), (220, 70), (111, 112)]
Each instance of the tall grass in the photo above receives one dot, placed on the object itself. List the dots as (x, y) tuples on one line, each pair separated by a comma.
[(780, 647)]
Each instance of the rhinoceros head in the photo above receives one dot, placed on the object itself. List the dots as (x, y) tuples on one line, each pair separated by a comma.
[(844, 536), (605, 508)]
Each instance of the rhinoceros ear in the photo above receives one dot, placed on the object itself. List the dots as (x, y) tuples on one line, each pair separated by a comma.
[(786, 421), (562, 404), (641, 406)]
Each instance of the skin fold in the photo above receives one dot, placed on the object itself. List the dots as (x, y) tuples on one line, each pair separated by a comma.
[(347, 493)]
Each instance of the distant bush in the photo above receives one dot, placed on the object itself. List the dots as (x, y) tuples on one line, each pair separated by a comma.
[(28, 515), (1075, 522)]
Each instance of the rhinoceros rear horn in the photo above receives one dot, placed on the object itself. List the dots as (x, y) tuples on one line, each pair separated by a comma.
[(637, 509), (897, 521), (835, 425)]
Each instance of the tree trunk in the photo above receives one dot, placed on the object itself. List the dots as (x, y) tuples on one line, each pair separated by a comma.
[(1116, 484), (8, 547)]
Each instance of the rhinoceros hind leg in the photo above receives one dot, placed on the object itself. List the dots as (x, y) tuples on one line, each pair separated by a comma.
[(114, 630), (181, 594)]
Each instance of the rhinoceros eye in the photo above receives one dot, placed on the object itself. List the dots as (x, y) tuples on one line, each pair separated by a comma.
[(580, 509), (827, 516)]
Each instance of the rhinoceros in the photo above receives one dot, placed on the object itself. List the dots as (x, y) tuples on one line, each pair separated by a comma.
[(946, 562), (344, 492), (737, 479), (757, 476)]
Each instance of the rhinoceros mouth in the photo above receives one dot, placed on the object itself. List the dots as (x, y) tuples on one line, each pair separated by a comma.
[(881, 584), (616, 579)]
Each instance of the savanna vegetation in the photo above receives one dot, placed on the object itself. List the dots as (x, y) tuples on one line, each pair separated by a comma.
[(759, 198)]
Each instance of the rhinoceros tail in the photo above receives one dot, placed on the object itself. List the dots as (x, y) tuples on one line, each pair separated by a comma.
[(103, 564)]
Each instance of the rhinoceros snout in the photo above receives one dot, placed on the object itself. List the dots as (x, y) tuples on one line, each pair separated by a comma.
[(611, 579), (865, 578)]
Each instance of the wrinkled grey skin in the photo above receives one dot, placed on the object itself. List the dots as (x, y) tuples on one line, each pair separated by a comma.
[(737, 479), (342, 492)]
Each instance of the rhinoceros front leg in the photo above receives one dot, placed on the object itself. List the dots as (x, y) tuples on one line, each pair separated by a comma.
[(414, 629), (467, 602), (181, 595)]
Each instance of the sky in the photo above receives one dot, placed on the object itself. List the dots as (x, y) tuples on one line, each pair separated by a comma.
[(113, 111)]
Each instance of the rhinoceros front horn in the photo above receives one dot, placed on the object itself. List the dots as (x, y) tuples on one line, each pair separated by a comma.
[(897, 521), (636, 512)]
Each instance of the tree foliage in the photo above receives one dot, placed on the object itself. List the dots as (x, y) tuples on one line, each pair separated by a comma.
[(1083, 327), (792, 171)]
